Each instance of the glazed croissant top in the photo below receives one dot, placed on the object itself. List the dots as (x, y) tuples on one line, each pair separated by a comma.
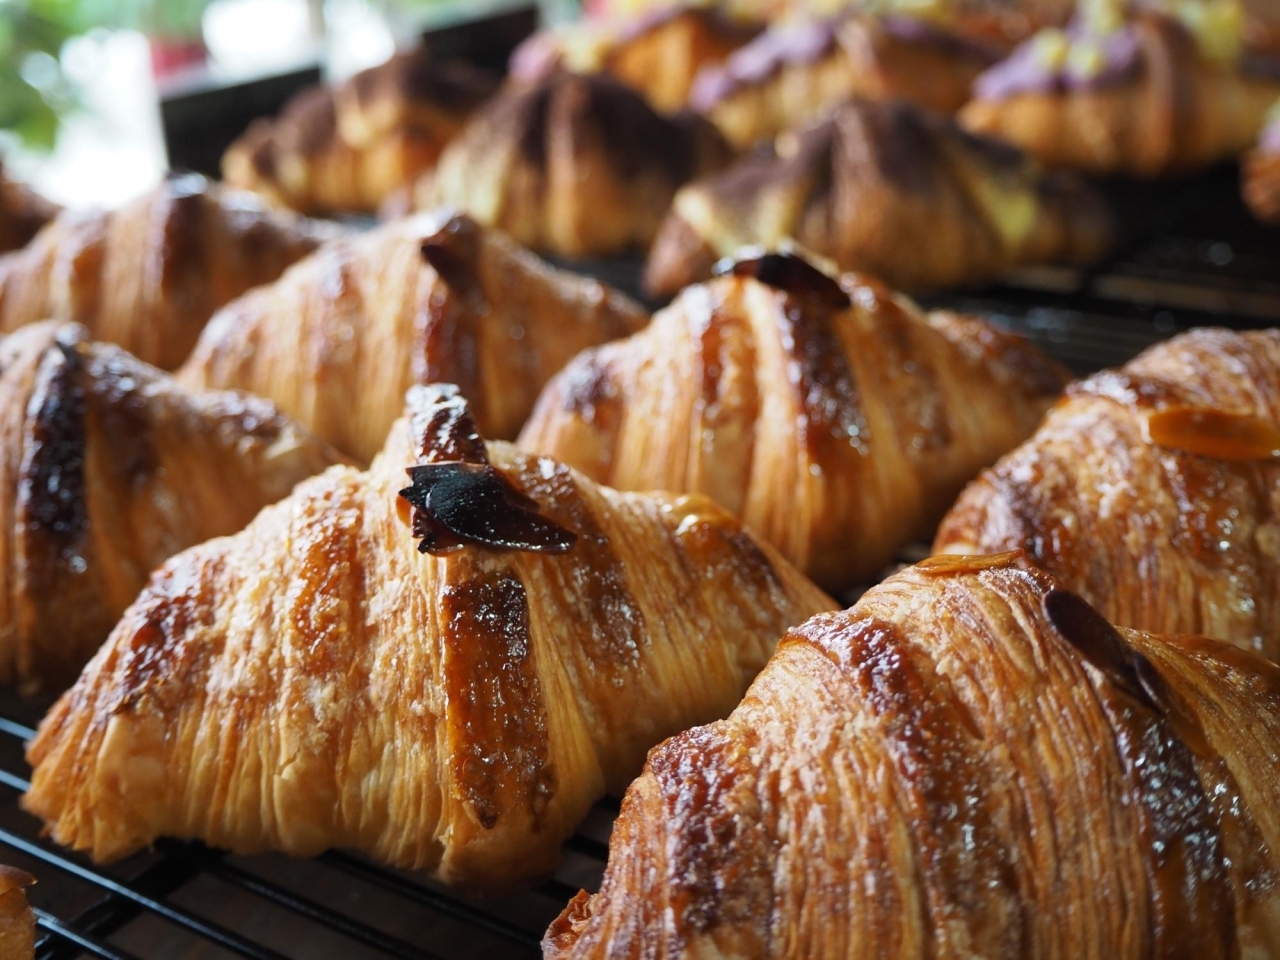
[(579, 166), (887, 189), (349, 148), (1153, 491), (444, 671), (148, 276), (108, 468), (970, 762), (17, 922), (22, 213), (1143, 93), (799, 70), (839, 421), (657, 52), (434, 298)]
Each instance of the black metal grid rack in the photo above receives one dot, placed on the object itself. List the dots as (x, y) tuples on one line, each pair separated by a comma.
[(1194, 258)]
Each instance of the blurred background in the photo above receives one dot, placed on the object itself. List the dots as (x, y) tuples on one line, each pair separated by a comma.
[(99, 97)]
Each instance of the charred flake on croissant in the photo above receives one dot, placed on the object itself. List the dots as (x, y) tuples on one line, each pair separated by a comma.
[(467, 500)]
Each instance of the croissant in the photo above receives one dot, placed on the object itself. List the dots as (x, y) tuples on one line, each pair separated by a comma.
[(108, 469), (320, 680), (17, 922), (657, 52), (1260, 176), (1146, 99), (798, 71), (1152, 491), (22, 213), (339, 339), (577, 166), (148, 276), (886, 189), (352, 147), (838, 422), (970, 762)]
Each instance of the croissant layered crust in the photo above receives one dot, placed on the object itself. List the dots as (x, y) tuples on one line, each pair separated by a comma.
[(798, 71), (148, 276), (890, 190), (1152, 491), (339, 339), (577, 166), (17, 922), (109, 468), (838, 423), (317, 681), (22, 213), (968, 762), (352, 147), (658, 52), (1160, 101)]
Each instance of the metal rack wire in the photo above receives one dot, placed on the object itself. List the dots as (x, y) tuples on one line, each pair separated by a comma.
[(1194, 258)]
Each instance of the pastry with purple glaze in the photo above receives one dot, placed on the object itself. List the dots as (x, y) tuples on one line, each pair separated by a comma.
[(657, 53), (574, 166), (1139, 94), (1260, 176), (888, 189), (799, 70)]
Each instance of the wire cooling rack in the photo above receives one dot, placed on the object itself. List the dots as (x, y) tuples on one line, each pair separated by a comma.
[(1193, 258)]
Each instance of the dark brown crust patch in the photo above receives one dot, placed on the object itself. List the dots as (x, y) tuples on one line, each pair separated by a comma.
[(497, 723)]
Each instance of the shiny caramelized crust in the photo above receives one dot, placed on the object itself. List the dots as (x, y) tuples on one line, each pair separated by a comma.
[(887, 189), (798, 71), (352, 147), (657, 52), (838, 427), (108, 468), (1261, 185), (969, 762), (148, 276), (315, 681), (17, 922), (22, 213), (341, 337), (1153, 491), (1177, 113), (579, 166)]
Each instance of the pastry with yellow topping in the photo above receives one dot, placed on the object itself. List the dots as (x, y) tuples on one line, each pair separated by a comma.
[(1160, 90)]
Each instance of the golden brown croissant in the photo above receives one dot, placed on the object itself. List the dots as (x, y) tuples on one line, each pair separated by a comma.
[(970, 762), (352, 147), (1153, 491), (17, 922), (339, 339), (886, 189), (579, 166), (1260, 176), (319, 680), (22, 213), (109, 468), (657, 52), (1146, 99), (798, 71), (148, 276), (838, 423)]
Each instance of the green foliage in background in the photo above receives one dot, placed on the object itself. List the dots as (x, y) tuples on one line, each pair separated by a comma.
[(34, 93)]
